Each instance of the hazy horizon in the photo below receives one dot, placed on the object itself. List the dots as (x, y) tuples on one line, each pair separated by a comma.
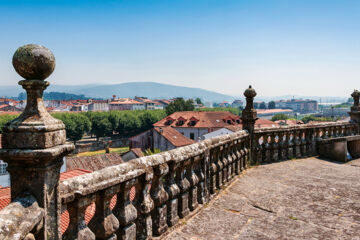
[(307, 48)]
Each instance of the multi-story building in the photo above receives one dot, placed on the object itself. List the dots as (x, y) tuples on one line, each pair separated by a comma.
[(98, 105), (149, 104), (125, 104), (298, 105)]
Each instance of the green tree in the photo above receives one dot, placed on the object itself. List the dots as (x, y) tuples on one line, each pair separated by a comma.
[(308, 118), (198, 101), (279, 116), (101, 126), (262, 105), (272, 105), (76, 125), (5, 119), (180, 105), (129, 124)]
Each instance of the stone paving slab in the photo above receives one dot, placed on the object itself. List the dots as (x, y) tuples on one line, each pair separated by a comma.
[(297, 199)]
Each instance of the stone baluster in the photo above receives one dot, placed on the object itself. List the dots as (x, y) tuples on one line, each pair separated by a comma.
[(229, 159), (104, 223), (245, 143), (342, 131), (274, 147), (223, 159), (318, 132), (238, 157), (125, 211), (268, 148), (233, 158), (193, 180), (325, 133), (285, 145), (307, 139), (184, 186), (303, 139), (263, 148), (291, 145), (160, 197), (219, 167), (256, 149), (245, 152), (77, 228), (200, 173), (173, 191), (297, 143), (213, 170), (281, 146), (144, 205), (34, 143)]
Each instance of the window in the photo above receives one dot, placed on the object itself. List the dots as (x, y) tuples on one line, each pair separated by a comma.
[(168, 122), (192, 123), (228, 121), (192, 136), (238, 120), (3, 168), (180, 123)]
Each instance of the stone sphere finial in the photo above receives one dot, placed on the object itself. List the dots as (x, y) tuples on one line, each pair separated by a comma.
[(250, 92), (33, 62)]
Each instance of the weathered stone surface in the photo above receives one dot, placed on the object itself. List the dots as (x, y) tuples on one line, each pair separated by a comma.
[(33, 61), (20, 217), (299, 199)]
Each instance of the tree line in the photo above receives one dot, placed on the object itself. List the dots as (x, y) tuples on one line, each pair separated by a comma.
[(106, 124), (127, 123)]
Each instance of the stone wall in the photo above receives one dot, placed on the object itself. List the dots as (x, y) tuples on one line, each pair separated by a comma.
[(94, 146)]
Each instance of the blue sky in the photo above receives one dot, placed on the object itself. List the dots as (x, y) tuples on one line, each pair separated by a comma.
[(305, 47)]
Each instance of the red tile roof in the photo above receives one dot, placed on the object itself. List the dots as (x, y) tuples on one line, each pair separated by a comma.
[(137, 152), (93, 163), (174, 137), (206, 119)]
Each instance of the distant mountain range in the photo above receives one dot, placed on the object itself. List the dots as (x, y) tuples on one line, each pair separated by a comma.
[(150, 90), (155, 90)]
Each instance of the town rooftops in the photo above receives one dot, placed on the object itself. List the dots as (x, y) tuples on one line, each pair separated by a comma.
[(199, 119), (173, 136)]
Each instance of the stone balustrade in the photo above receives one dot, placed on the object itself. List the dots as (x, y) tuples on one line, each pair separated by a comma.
[(167, 186), (289, 142)]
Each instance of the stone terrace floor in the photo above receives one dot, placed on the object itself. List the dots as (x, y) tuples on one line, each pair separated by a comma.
[(297, 199)]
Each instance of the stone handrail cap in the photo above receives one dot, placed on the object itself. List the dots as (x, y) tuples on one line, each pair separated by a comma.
[(33, 61)]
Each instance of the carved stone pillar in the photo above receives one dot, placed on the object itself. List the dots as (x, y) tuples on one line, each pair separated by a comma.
[(104, 223), (159, 196), (125, 211), (173, 191), (213, 170), (184, 186), (78, 228), (355, 109), (34, 143), (144, 205), (193, 180), (249, 116)]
